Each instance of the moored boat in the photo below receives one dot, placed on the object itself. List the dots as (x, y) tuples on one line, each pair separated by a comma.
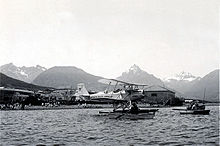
[(194, 108), (196, 112)]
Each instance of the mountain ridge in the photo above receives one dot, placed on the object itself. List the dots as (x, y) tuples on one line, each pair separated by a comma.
[(68, 76), (184, 82), (26, 74), (6, 81), (182, 76), (137, 75), (208, 85)]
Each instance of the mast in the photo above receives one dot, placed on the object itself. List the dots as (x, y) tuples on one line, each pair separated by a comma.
[(204, 96)]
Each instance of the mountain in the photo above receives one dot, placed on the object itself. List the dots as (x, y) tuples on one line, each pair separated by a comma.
[(68, 77), (136, 75), (181, 82), (6, 81), (26, 74), (182, 76), (208, 84)]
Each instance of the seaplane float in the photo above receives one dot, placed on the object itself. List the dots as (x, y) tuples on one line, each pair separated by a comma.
[(123, 96)]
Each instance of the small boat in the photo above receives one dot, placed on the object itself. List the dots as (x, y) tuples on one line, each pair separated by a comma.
[(127, 114), (194, 108), (196, 112)]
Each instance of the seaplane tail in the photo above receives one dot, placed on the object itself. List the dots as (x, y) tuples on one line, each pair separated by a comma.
[(81, 93)]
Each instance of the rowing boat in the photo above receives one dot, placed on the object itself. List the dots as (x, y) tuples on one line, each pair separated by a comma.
[(196, 112)]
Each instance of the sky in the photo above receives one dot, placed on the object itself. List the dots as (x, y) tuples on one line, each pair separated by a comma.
[(106, 37)]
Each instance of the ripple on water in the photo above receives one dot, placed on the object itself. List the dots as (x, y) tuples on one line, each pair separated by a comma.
[(85, 127)]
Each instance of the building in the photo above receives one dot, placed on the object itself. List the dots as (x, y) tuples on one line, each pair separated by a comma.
[(8, 95), (160, 95), (62, 95)]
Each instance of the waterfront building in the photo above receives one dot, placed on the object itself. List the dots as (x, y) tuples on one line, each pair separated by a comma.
[(160, 95)]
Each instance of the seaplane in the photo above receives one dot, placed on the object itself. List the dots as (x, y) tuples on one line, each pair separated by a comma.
[(123, 96)]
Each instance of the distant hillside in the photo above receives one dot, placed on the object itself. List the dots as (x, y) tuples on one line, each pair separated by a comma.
[(6, 81), (68, 76), (26, 74), (136, 75), (181, 82), (210, 83)]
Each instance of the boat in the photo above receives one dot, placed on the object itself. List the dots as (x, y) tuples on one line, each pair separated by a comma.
[(194, 108), (127, 114), (195, 112)]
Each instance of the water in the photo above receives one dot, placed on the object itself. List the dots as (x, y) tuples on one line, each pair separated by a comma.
[(85, 127)]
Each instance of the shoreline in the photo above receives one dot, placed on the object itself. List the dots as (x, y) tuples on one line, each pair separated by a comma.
[(103, 106), (56, 107)]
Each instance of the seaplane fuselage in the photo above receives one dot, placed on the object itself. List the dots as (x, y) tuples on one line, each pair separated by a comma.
[(119, 96)]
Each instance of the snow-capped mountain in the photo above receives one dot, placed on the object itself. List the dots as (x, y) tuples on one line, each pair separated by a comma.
[(182, 76), (136, 75), (134, 69), (27, 74), (181, 82), (194, 87)]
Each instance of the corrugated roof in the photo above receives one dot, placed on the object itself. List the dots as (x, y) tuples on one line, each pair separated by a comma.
[(157, 88), (16, 90)]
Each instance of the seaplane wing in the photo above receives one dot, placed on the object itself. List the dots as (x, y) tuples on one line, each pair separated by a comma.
[(108, 82), (118, 82), (127, 83)]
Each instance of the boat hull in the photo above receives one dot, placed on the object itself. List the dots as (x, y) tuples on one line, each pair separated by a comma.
[(196, 112)]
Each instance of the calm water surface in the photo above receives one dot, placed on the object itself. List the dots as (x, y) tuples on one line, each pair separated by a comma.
[(85, 127)]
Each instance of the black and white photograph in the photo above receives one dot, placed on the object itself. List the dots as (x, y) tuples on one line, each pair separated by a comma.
[(109, 72)]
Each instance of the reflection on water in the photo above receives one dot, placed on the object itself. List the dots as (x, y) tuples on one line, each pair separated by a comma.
[(84, 127)]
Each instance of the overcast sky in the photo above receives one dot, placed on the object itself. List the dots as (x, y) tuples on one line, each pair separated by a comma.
[(106, 37)]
